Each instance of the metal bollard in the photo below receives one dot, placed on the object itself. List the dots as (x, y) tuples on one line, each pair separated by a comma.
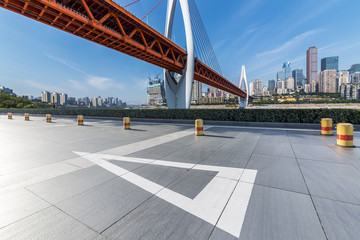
[(80, 119), (126, 121), (326, 126), (9, 115), (48, 118), (27, 116), (345, 135), (199, 127)]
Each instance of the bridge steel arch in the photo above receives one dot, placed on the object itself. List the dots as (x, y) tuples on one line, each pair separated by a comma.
[(243, 102), (178, 93)]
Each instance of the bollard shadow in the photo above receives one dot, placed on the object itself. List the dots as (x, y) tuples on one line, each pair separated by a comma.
[(216, 136), (136, 130)]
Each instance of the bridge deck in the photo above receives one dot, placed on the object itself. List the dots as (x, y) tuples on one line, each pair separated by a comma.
[(62, 181)]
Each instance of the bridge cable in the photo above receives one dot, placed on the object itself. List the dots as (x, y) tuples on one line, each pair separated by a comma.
[(131, 3), (199, 40), (152, 9), (206, 43), (199, 46)]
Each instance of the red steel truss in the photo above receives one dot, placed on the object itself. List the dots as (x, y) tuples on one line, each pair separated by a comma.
[(106, 23)]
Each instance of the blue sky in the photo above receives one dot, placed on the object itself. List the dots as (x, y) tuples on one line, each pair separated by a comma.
[(260, 34)]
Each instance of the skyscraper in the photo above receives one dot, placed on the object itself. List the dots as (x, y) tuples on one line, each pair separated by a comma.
[(290, 84), (258, 87), (329, 63), (196, 91), (271, 85), (287, 70), (156, 91), (299, 77), (285, 73), (63, 99), (328, 82), (46, 97), (311, 64), (251, 89), (354, 68), (55, 98)]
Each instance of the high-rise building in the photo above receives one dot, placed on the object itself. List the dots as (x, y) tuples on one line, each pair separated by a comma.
[(311, 64), (251, 89), (354, 68), (55, 98), (342, 77), (156, 92), (258, 87), (110, 101), (46, 97), (285, 73), (290, 84), (299, 77), (287, 70), (280, 76), (328, 82), (196, 91), (94, 102), (271, 85), (265, 90), (307, 88), (100, 102), (329, 63), (280, 84), (355, 78), (314, 86), (63, 99)]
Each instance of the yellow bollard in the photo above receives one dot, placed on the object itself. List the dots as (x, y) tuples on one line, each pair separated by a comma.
[(48, 118), (199, 127), (9, 115), (345, 135), (326, 126), (80, 119), (27, 117), (126, 121)]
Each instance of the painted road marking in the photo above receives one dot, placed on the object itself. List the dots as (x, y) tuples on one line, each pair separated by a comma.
[(138, 146), (222, 203)]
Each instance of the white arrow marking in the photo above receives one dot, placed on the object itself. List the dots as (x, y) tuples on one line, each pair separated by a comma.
[(222, 203)]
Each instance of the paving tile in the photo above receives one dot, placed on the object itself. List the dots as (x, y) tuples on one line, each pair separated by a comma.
[(63, 187), (340, 220), (278, 172), (332, 180), (50, 223), (188, 155), (19, 204), (280, 149), (278, 214), (156, 152), (159, 220), (227, 159), (192, 183), (103, 205), (317, 152)]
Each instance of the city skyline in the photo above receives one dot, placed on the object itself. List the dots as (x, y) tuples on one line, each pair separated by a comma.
[(35, 57)]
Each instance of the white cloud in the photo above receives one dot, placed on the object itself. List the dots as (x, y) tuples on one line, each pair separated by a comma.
[(43, 87), (291, 43), (77, 85), (103, 83), (65, 62)]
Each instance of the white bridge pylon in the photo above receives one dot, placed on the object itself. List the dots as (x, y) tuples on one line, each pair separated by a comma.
[(178, 93), (243, 102)]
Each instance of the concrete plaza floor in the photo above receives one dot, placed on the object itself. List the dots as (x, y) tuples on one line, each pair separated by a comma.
[(160, 181)]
